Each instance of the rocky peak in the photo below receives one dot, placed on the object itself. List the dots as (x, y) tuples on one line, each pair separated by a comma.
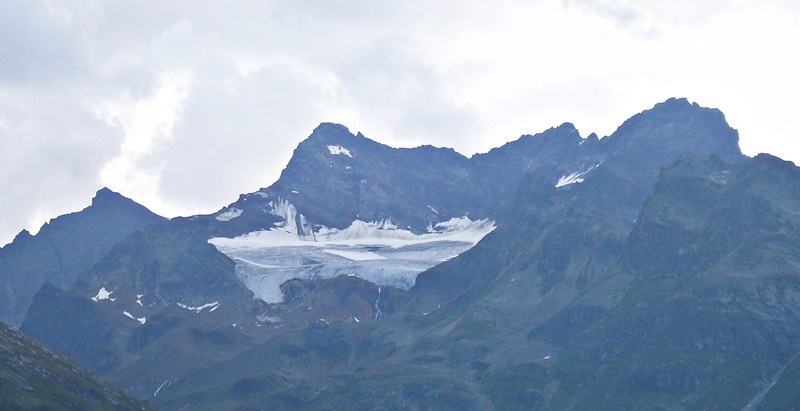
[(106, 196), (23, 236), (65, 247), (677, 126), (108, 201), (331, 133)]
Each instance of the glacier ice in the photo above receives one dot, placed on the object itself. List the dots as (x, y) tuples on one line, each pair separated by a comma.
[(376, 251)]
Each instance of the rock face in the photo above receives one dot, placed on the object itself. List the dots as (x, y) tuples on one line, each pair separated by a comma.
[(33, 377), (693, 307), (63, 248), (656, 267)]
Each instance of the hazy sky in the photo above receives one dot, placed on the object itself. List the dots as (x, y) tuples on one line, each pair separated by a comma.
[(183, 105)]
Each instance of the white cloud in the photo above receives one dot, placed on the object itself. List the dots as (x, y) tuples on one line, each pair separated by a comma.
[(147, 124), (183, 105)]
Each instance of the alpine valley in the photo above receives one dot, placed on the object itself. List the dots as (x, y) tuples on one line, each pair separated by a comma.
[(655, 268)]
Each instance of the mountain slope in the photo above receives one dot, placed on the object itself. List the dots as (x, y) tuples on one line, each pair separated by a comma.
[(33, 377), (706, 307), (160, 287), (63, 248)]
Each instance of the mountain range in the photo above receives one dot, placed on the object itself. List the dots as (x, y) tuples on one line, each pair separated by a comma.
[(655, 268)]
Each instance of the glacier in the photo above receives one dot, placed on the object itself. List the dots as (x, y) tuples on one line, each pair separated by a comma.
[(376, 251)]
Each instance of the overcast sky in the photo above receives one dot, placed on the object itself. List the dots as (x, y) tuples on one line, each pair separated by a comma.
[(183, 105)]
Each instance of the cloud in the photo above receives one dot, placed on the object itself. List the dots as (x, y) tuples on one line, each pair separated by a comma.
[(39, 45), (623, 14), (51, 146), (393, 90), (183, 105), (236, 132)]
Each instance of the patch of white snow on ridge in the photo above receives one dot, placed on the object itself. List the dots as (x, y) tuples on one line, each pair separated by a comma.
[(336, 150), (103, 294), (376, 251), (229, 214), (574, 178), (213, 307), (140, 320)]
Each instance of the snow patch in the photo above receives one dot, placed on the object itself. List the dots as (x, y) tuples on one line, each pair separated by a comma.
[(213, 307), (229, 214), (141, 320), (165, 383), (103, 294), (575, 178), (337, 150)]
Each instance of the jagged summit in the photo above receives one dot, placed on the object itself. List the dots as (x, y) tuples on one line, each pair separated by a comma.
[(331, 133), (105, 197), (22, 236), (329, 127), (64, 247), (675, 124)]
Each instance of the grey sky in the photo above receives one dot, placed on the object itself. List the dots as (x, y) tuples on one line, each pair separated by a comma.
[(183, 105)]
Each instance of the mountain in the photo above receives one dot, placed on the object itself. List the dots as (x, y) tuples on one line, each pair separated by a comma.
[(33, 377), (690, 307), (653, 268), (63, 248), (159, 289)]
